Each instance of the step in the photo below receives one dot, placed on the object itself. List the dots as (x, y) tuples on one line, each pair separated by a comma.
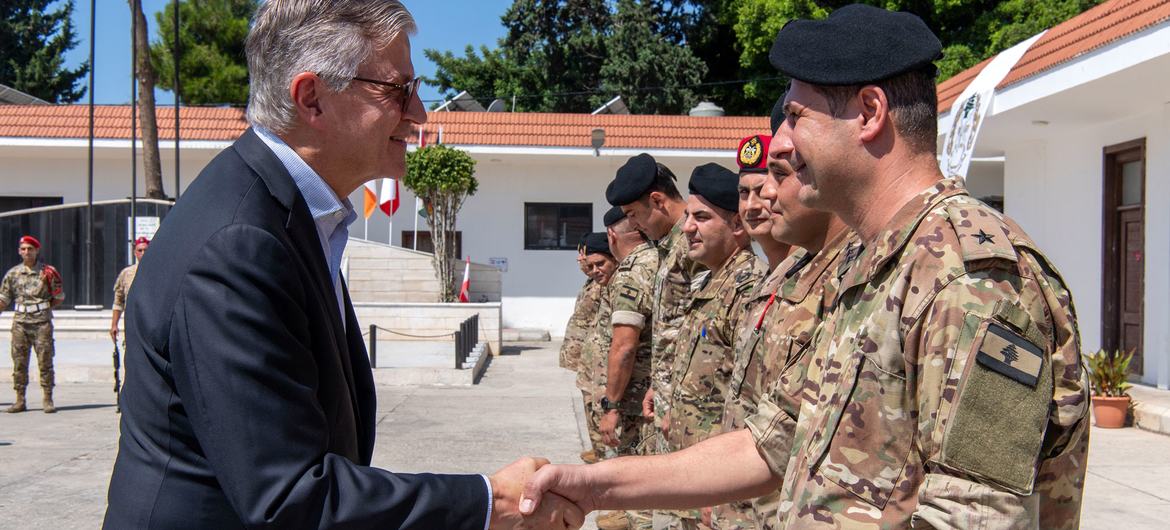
[(524, 335), (1151, 410)]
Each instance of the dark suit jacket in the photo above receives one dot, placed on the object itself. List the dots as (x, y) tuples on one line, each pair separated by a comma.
[(247, 403)]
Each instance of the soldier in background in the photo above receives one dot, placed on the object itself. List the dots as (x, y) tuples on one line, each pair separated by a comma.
[(646, 191), (704, 355), (601, 265), (33, 289), (584, 309), (782, 315), (627, 366), (756, 212), (122, 286)]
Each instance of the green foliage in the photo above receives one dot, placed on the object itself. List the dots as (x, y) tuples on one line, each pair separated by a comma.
[(213, 68), (1109, 373), (443, 177), (33, 42), (553, 47)]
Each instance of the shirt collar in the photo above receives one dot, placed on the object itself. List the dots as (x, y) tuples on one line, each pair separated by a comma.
[(323, 203)]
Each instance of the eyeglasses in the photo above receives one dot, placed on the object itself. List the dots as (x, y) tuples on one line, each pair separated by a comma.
[(408, 90)]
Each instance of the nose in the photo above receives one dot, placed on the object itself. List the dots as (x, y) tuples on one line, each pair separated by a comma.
[(416, 112), (690, 227)]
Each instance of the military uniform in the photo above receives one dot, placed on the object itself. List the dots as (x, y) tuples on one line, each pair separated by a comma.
[(948, 383), (630, 292), (672, 294), (772, 354), (578, 328), (705, 357), (31, 292), (122, 286)]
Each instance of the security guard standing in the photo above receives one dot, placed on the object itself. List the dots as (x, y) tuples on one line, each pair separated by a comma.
[(590, 378), (122, 286), (584, 310), (646, 191), (716, 237), (949, 382), (33, 289)]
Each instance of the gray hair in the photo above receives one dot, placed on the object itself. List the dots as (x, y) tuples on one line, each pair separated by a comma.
[(329, 38)]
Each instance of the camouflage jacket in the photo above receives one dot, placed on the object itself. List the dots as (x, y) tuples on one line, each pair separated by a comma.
[(122, 286), (950, 389), (672, 294), (772, 354), (703, 364), (578, 327), (31, 286), (631, 290), (596, 345)]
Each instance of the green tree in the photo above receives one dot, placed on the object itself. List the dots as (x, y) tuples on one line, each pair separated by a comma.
[(33, 42), (213, 68), (551, 47), (443, 177), (652, 74)]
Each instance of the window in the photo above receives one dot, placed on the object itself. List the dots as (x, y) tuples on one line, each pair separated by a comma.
[(556, 226)]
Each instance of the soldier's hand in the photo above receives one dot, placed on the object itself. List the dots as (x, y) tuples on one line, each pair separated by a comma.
[(666, 424), (705, 516), (114, 333), (648, 405), (609, 428)]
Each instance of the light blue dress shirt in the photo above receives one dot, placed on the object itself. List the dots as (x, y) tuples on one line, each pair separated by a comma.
[(332, 215)]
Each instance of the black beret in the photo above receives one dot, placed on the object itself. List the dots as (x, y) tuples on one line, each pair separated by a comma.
[(597, 242), (632, 180), (857, 44), (717, 184), (777, 115), (614, 215)]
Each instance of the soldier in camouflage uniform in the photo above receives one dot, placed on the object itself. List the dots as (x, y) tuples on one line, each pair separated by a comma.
[(627, 366), (705, 351), (584, 310), (601, 268), (33, 289), (949, 387), (946, 387), (782, 314), (122, 286), (645, 190)]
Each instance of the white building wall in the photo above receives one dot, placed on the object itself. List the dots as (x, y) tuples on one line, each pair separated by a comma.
[(1053, 189)]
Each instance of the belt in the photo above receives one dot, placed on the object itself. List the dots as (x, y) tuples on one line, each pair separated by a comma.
[(30, 308)]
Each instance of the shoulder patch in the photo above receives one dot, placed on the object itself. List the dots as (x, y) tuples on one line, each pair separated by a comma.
[(1011, 355), (629, 292), (981, 231)]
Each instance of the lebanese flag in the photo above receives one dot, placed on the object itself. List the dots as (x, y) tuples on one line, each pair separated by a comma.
[(465, 290), (389, 200), (371, 194)]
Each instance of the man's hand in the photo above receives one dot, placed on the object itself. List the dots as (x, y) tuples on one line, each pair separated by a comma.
[(666, 424), (552, 482), (114, 332), (648, 405), (507, 485), (609, 424), (705, 516)]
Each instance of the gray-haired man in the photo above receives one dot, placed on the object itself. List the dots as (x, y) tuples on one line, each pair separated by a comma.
[(249, 400)]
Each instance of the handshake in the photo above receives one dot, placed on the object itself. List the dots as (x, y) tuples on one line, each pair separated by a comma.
[(523, 496)]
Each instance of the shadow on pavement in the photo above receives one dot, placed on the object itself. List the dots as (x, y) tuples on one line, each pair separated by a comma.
[(515, 349), (84, 407)]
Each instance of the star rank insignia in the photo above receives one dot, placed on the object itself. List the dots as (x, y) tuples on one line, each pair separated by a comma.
[(983, 237)]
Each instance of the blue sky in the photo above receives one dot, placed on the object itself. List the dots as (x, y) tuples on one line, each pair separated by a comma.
[(444, 25)]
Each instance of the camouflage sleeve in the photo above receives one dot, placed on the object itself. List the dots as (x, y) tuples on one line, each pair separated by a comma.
[(772, 430), (632, 292), (987, 366), (57, 287), (5, 291), (120, 292)]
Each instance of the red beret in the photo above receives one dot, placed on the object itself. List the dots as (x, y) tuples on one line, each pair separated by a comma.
[(141, 240), (31, 241), (752, 155)]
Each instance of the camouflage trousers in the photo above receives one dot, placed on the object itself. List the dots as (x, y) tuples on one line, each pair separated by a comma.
[(754, 514), (592, 427), (26, 337)]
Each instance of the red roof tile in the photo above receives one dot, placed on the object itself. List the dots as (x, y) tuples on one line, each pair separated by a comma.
[(1091, 30), (459, 128)]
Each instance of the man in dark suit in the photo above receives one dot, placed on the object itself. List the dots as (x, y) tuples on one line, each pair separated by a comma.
[(249, 400)]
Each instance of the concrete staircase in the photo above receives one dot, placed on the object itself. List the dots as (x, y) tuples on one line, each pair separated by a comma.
[(69, 325)]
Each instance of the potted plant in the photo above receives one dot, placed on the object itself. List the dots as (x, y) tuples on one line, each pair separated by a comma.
[(1109, 379)]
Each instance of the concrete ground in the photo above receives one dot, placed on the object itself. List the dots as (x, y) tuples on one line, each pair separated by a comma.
[(54, 469)]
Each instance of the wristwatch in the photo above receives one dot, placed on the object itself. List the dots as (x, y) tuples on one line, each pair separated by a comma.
[(608, 405)]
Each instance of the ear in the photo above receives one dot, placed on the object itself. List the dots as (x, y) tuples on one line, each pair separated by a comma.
[(738, 228), (875, 112), (657, 200), (306, 91)]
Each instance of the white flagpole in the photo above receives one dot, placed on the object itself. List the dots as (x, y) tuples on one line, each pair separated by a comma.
[(366, 232), (390, 237), (416, 209)]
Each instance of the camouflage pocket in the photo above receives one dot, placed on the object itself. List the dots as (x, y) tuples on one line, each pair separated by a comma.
[(870, 443)]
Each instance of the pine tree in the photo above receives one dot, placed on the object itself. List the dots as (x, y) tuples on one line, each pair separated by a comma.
[(33, 42)]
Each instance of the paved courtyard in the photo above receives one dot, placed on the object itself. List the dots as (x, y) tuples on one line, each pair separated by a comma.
[(54, 469)]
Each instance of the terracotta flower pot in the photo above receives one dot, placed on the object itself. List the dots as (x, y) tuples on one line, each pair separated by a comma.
[(1110, 412)]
